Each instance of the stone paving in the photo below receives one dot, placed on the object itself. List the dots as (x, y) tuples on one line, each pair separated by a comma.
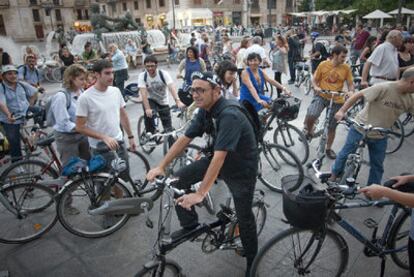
[(60, 253)]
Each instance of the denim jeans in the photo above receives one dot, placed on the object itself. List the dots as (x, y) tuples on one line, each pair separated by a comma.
[(376, 149), (13, 136), (242, 192), (120, 76), (292, 69)]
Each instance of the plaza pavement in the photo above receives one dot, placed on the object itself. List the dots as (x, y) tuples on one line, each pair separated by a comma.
[(61, 254)]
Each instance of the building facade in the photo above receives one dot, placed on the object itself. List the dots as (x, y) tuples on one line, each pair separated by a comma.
[(28, 20)]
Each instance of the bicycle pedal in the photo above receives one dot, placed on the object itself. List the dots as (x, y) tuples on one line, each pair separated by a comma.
[(370, 223)]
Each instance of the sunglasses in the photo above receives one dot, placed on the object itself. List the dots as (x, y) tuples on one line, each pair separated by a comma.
[(197, 90)]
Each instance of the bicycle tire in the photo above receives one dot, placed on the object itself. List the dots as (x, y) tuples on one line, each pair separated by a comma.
[(283, 136), (154, 268), (268, 90), (40, 219), (398, 238), (24, 171), (138, 175), (57, 75), (308, 85), (407, 119), (395, 141), (191, 153), (266, 263), (141, 133), (102, 223), (271, 175)]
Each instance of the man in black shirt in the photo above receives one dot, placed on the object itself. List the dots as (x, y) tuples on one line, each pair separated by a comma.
[(234, 158)]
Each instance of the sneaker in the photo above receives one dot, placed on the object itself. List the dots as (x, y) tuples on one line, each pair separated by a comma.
[(330, 154), (182, 232)]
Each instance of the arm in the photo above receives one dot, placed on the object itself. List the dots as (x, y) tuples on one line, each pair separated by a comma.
[(6, 111), (348, 104), (144, 94), (235, 89), (365, 72), (274, 82), (180, 69), (203, 65), (362, 57), (60, 112), (83, 129), (188, 200), (127, 127), (252, 90), (174, 95)]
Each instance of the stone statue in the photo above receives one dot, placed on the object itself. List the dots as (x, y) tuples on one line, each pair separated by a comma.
[(100, 22), (60, 35), (125, 23)]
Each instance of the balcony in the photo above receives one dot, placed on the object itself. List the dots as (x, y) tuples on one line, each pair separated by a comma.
[(4, 4), (82, 3)]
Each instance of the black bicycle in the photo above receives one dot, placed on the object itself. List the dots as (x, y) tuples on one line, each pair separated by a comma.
[(221, 234), (312, 248)]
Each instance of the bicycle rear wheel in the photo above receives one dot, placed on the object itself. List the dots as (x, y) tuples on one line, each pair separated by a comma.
[(170, 269), (292, 138), (29, 211), (190, 154), (276, 161), (407, 120), (395, 141), (142, 136), (398, 239), (79, 198), (296, 252)]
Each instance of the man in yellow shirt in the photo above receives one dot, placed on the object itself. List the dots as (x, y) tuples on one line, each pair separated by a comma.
[(330, 75)]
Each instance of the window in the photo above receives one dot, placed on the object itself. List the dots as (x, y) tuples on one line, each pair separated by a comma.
[(58, 15), (79, 14), (237, 1), (162, 3), (148, 4), (124, 6), (36, 15), (47, 12), (289, 5), (33, 2), (114, 8), (138, 20), (272, 4), (104, 9), (197, 2), (255, 4), (136, 5), (86, 14), (56, 2), (177, 2)]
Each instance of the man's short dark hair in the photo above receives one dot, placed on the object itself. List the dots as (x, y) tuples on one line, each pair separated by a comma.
[(87, 44), (150, 59), (101, 65), (339, 49)]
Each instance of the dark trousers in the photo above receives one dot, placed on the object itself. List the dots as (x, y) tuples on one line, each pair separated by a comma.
[(292, 69), (278, 78), (242, 192), (164, 114), (411, 255), (13, 136), (120, 76)]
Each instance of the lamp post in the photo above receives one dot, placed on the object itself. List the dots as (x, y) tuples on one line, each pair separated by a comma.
[(173, 12)]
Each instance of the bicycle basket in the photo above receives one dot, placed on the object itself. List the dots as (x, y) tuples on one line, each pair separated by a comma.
[(286, 109), (306, 207)]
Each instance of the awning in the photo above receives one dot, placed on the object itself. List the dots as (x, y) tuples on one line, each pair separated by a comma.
[(377, 14), (403, 11)]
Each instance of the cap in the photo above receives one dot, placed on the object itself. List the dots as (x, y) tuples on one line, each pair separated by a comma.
[(314, 34), (205, 76), (7, 68)]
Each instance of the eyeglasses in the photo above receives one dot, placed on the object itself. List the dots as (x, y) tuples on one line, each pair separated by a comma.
[(197, 90), (151, 66)]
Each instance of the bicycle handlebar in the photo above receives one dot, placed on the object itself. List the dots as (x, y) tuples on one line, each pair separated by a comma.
[(162, 181), (367, 128), (331, 92)]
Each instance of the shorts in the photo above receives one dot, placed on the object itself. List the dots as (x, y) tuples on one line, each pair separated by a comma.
[(316, 107)]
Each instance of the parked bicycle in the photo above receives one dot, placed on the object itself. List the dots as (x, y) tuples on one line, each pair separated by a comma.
[(312, 248), (221, 234), (303, 76)]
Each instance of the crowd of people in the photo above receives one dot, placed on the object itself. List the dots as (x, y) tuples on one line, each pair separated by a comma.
[(89, 110)]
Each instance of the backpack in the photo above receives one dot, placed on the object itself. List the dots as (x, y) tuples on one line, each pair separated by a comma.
[(50, 118), (161, 76), (25, 72)]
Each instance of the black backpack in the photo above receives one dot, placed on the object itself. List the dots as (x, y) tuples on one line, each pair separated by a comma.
[(25, 72), (161, 76)]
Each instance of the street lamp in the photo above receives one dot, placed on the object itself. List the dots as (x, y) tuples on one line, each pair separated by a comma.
[(173, 12)]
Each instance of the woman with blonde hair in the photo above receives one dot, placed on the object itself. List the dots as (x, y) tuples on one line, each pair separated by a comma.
[(63, 115), (279, 57)]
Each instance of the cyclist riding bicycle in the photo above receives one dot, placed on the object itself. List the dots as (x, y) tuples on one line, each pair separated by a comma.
[(153, 84), (234, 156), (330, 75)]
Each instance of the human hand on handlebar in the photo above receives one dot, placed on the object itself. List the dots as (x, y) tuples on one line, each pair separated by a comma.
[(188, 200), (148, 113), (264, 103), (110, 142), (153, 173), (374, 191), (340, 115)]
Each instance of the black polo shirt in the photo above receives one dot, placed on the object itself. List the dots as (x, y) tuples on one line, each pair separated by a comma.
[(232, 133)]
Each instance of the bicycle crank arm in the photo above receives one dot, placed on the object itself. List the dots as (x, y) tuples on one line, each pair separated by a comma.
[(131, 206)]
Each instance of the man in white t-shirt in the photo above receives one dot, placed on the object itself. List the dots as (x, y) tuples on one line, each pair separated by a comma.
[(256, 47), (153, 85), (100, 113)]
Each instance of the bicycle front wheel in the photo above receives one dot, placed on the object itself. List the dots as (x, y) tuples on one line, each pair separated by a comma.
[(141, 136), (170, 269), (292, 138), (395, 140), (190, 154), (81, 197), (276, 161), (27, 211), (398, 239), (296, 252)]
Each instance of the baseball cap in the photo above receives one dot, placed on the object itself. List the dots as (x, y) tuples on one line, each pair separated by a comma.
[(7, 68), (205, 76)]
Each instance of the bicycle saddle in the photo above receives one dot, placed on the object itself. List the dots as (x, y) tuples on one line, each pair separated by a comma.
[(46, 141), (409, 187)]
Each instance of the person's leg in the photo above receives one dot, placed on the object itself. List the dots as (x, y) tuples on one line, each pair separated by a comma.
[(376, 148), (278, 78), (149, 121), (292, 70), (188, 176), (13, 136), (165, 116), (332, 130), (242, 193), (312, 114), (350, 146), (67, 146)]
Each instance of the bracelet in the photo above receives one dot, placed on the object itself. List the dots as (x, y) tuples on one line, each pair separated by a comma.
[(131, 137)]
